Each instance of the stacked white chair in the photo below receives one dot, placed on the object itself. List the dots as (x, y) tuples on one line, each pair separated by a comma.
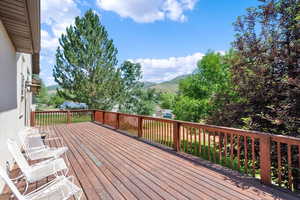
[(34, 146), (61, 188), (39, 170)]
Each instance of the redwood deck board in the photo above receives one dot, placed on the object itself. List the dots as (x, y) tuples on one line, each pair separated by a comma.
[(109, 165)]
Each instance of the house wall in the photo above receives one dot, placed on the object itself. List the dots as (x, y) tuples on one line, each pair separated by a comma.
[(15, 101)]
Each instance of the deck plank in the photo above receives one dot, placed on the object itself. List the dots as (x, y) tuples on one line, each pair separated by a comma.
[(111, 165)]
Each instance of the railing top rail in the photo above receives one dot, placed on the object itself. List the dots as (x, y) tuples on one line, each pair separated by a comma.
[(64, 111), (213, 128), (256, 134)]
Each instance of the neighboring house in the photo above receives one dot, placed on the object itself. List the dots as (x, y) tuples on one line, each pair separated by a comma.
[(19, 59)]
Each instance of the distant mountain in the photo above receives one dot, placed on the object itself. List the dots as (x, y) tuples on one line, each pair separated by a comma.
[(148, 84), (52, 89), (166, 86)]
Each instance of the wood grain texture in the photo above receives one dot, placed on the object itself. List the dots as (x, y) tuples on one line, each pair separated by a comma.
[(132, 169)]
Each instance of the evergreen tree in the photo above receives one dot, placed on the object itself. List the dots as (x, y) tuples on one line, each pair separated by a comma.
[(86, 64), (131, 86), (134, 98)]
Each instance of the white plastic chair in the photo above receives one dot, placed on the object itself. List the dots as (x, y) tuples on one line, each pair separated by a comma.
[(35, 148), (61, 188), (37, 171)]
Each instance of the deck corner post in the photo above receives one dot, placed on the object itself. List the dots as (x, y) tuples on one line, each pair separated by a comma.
[(32, 119), (117, 120), (68, 117), (140, 126), (103, 117), (93, 115), (176, 136), (265, 159)]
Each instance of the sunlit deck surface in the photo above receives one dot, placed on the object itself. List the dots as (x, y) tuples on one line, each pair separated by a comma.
[(110, 165)]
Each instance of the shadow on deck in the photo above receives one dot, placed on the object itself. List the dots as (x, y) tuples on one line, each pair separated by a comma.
[(110, 165)]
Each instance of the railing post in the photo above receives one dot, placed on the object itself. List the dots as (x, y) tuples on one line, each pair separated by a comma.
[(265, 159), (93, 115), (103, 117), (117, 121), (32, 119), (68, 117), (176, 136), (140, 126)]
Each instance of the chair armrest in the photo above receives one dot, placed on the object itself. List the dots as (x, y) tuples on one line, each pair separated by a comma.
[(44, 162), (44, 186), (61, 141), (40, 148)]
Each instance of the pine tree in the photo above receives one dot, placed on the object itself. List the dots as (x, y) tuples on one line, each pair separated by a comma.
[(131, 86), (86, 64), (135, 99)]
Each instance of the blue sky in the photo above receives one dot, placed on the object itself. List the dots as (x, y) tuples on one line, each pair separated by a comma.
[(167, 37)]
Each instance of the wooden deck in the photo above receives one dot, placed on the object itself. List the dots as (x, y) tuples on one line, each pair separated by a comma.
[(111, 165)]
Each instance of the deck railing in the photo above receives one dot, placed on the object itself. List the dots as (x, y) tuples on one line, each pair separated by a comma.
[(47, 118), (275, 159)]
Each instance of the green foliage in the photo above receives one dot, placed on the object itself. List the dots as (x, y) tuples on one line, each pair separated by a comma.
[(134, 98), (42, 98), (131, 87), (189, 109), (167, 100), (56, 100), (86, 64), (198, 93), (147, 102), (267, 72)]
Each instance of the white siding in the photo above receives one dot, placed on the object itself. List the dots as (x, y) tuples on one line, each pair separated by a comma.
[(13, 102)]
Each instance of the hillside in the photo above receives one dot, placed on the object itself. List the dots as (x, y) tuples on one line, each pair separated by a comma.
[(167, 86), (52, 89)]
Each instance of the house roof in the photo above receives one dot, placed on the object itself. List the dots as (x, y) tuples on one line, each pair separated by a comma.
[(21, 19)]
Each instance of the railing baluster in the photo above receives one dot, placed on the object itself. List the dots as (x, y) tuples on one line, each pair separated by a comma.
[(279, 162), (238, 152), (199, 136), (190, 140), (220, 148), (289, 166), (253, 156), (231, 150), (204, 142), (214, 140), (208, 141), (195, 141), (246, 154), (298, 158), (147, 129)]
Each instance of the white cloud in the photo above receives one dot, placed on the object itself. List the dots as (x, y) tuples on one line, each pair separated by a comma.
[(144, 11), (56, 16), (48, 42), (158, 70)]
